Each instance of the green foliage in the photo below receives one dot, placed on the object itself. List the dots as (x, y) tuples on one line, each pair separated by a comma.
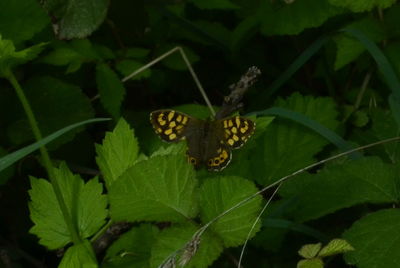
[(85, 202), (329, 83), (375, 238)]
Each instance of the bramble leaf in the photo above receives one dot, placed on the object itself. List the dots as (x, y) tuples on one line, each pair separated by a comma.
[(117, 153), (81, 255), (85, 202)]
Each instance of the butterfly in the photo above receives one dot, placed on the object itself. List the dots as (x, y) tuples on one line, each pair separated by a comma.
[(209, 141)]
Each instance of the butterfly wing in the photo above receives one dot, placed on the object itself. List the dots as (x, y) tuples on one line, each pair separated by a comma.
[(221, 159), (170, 125), (236, 130)]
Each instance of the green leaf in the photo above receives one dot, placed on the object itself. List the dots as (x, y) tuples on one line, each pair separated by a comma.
[(20, 20), (9, 58), (365, 180), (161, 188), (217, 194), (72, 54), (79, 256), (280, 19), (310, 263), (117, 153), (133, 248), (214, 4), (362, 5), (76, 19), (310, 251), (85, 202), (334, 247), (55, 104), (11, 158), (126, 67), (376, 239), (349, 48), (289, 146), (175, 238), (111, 89)]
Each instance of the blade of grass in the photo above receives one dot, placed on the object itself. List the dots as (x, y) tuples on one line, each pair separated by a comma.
[(312, 124), (17, 155)]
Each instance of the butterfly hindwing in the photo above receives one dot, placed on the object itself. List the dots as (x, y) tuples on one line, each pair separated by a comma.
[(170, 125), (221, 159), (237, 130)]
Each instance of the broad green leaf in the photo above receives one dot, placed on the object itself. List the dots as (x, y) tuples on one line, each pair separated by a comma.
[(280, 19), (310, 263), (161, 188), (79, 256), (334, 247), (175, 238), (9, 58), (366, 180), (117, 153), (289, 146), (349, 48), (376, 240), (111, 89), (218, 194), (20, 20), (214, 4), (72, 54), (76, 19), (85, 202), (362, 5), (133, 248), (126, 67), (55, 104), (310, 251), (21, 153)]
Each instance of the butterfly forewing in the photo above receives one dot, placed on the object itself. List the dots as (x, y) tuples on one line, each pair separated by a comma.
[(170, 125), (237, 130)]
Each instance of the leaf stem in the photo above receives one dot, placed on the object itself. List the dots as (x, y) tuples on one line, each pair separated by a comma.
[(46, 158)]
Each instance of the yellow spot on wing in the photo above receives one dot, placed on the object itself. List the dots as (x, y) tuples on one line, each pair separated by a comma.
[(237, 121), (172, 136), (179, 127), (231, 142), (179, 118), (234, 130), (171, 115), (225, 124), (172, 124), (185, 119), (162, 122), (244, 129), (168, 131), (230, 123), (236, 138), (159, 130)]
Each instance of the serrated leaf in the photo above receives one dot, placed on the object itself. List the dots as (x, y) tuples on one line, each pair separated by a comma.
[(366, 180), (310, 263), (76, 19), (161, 188), (20, 20), (111, 89), (334, 247), (56, 104), (85, 202), (9, 58), (217, 194), (117, 153), (348, 48), (310, 251), (289, 146), (175, 238), (214, 4), (376, 239), (133, 248), (279, 19), (79, 256), (362, 5)]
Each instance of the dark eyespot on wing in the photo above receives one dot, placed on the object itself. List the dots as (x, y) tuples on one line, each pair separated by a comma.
[(220, 160)]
